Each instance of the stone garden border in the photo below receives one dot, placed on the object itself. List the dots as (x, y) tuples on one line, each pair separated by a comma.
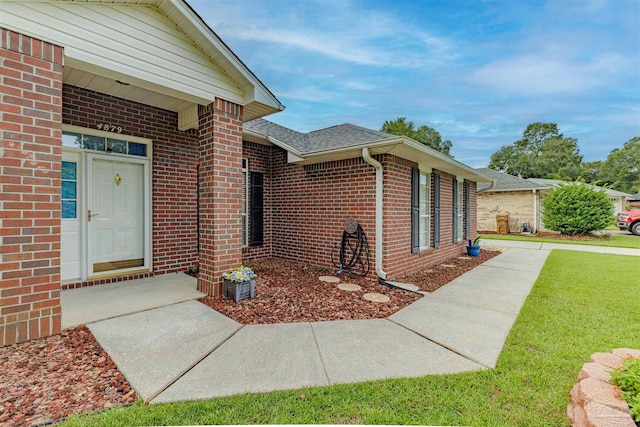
[(594, 401)]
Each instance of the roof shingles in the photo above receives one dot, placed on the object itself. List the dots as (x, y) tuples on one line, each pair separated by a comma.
[(344, 135)]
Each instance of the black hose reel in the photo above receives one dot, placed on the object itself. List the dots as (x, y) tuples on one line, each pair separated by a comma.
[(353, 250)]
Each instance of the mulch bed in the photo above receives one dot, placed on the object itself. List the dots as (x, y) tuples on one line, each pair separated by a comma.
[(47, 379), (288, 291)]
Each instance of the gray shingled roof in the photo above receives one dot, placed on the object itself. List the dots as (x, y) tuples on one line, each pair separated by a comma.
[(505, 182), (344, 135), (554, 182)]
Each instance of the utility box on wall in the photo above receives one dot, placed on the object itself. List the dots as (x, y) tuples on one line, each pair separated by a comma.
[(502, 224)]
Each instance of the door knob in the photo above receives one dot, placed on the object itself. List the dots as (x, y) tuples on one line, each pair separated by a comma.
[(89, 215)]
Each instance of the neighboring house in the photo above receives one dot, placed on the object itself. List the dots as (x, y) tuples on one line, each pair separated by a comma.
[(618, 198), (519, 198), (632, 201), (133, 146)]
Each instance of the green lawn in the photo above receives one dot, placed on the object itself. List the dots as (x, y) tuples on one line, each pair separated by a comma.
[(629, 241), (582, 303)]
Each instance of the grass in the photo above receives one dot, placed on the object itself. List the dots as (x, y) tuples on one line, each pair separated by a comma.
[(617, 241), (581, 304)]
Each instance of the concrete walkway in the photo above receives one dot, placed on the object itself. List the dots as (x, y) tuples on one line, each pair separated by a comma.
[(565, 246), (187, 351)]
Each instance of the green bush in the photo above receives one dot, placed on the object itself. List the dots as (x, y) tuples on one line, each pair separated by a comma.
[(577, 208), (628, 379)]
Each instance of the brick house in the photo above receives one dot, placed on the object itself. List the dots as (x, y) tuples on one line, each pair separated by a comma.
[(519, 198), (133, 145)]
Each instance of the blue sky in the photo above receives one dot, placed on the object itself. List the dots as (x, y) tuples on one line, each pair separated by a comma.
[(477, 71)]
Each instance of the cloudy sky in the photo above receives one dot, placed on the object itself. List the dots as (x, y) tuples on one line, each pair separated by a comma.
[(477, 71)]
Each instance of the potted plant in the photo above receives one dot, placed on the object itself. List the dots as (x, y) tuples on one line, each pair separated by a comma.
[(239, 283), (473, 249)]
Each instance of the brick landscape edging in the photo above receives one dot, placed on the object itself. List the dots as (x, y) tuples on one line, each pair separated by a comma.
[(594, 401)]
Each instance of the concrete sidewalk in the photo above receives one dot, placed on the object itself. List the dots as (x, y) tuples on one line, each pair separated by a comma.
[(187, 351), (565, 246)]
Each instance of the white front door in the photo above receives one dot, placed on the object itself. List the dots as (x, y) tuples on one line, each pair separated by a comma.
[(116, 215)]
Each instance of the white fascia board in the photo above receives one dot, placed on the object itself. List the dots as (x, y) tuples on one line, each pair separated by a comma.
[(228, 54), (274, 141), (431, 158), (502, 190), (468, 172)]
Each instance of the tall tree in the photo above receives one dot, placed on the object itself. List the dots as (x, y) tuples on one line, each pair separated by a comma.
[(424, 134), (621, 170), (543, 152)]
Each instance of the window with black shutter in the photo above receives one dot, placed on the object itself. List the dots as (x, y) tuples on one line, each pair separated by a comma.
[(256, 209), (436, 210), (467, 211), (415, 210), (454, 221)]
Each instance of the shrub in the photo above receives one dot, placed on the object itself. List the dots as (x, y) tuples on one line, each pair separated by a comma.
[(577, 208), (628, 379)]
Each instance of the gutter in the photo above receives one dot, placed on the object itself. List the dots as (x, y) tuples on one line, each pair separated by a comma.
[(378, 167)]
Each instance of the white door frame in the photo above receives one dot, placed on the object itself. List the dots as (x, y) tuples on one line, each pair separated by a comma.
[(89, 157), (84, 200)]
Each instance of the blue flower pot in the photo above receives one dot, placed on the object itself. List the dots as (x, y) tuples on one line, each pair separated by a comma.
[(473, 250)]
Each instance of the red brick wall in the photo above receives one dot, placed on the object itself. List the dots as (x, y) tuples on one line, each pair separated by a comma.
[(398, 259), (220, 156), (259, 157), (174, 166), (311, 203), (30, 148)]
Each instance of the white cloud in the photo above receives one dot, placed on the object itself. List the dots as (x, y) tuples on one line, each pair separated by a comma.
[(532, 74), (339, 31)]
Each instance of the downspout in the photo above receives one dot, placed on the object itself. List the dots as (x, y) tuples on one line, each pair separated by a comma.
[(378, 167)]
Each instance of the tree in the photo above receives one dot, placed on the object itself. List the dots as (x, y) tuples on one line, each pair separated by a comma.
[(592, 171), (621, 170), (543, 152), (577, 208), (424, 134)]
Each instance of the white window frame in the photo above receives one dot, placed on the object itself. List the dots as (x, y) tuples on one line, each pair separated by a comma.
[(245, 202), (425, 193)]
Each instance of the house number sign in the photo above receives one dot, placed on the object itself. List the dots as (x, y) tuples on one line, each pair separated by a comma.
[(109, 127)]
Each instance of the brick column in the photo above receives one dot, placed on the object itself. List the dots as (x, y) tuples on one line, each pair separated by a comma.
[(220, 189), (30, 162)]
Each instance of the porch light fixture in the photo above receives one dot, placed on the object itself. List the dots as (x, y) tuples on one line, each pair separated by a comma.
[(117, 179)]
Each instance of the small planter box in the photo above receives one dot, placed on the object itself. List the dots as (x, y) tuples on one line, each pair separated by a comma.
[(239, 290)]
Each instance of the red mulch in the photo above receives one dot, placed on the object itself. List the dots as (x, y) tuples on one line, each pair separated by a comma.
[(47, 379), (435, 277), (288, 291)]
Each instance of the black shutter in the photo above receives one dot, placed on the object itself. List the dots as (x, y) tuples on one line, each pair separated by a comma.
[(256, 209), (436, 210), (454, 222), (415, 210), (467, 211)]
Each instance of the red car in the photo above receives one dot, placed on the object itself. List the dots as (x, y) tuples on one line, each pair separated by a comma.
[(629, 220)]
